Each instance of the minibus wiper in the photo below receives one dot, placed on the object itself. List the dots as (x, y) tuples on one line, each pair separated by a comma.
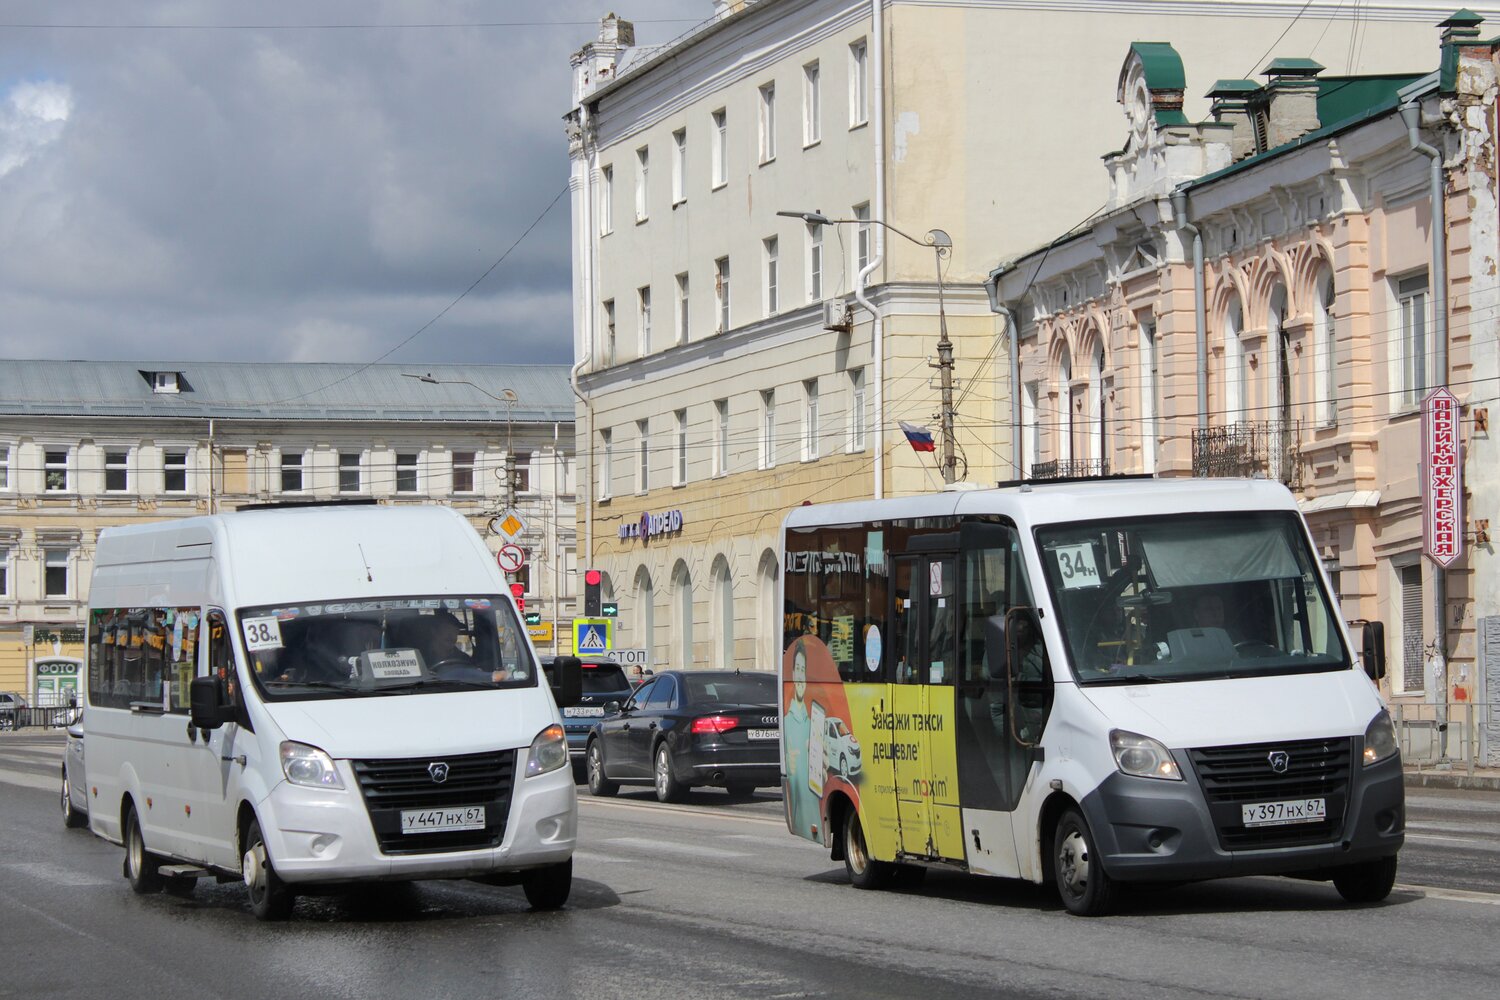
[(1133, 679), (325, 685)]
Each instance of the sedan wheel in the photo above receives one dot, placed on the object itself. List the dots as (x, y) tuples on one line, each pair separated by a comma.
[(72, 818), (598, 783), (668, 788)]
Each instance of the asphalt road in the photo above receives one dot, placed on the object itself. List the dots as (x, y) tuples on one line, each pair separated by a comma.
[(715, 899)]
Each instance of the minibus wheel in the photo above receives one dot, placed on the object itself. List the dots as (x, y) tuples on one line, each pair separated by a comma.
[(548, 888), (72, 818), (270, 899), (1366, 882), (140, 864), (864, 871), (1085, 887)]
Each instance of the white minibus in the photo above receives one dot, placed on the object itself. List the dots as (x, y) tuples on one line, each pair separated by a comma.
[(1083, 683), (313, 696)]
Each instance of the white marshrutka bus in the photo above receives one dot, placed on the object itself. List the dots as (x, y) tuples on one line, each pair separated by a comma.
[(1087, 683), (299, 698)]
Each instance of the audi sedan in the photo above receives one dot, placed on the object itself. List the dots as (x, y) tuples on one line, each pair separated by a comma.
[(684, 728)]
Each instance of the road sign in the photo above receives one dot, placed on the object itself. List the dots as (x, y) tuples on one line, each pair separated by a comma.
[(630, 657), (1442, 478), (609, 609), (592, 636), (509, 524), (510, 558), (541, 633)]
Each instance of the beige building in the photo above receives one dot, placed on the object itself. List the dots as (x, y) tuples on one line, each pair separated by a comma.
[(1336, 293), (733, 361), (87, 445)]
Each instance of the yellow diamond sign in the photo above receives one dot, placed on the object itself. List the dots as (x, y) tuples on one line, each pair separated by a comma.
[(510, 524)]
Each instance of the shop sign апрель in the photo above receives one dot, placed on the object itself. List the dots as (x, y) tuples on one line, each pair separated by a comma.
[(651, 525)]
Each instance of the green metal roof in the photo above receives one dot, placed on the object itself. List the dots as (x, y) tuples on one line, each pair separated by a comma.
[(1233, 88), (1292, 66), (1162, 65), (1341, 98), (1462, 18)]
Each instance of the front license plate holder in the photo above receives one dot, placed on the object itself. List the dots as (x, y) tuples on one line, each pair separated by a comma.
[(448, 819), (1284, 813)]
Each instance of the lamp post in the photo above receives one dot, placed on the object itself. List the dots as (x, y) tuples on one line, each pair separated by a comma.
[(509, 398), (942, 246)]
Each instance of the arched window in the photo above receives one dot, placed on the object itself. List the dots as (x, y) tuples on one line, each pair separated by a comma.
[(1279, 342), (1063, 427), (1325, 341), (769, 624), (645, 613), (682, 616), (1235, 369), (723, 590), (1098, 412), (1150, 396)]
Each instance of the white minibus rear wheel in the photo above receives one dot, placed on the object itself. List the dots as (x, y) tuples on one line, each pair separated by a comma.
[(140, 864)]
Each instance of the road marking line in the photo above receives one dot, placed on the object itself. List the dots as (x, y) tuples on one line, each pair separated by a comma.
[(1473, 844), (662, 847), (28, 780), (681, 811), (597, 858), (1452, 895), (54, 874)]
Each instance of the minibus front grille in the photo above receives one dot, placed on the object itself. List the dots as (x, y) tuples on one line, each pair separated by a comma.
[(1236, 776), (391, 785)]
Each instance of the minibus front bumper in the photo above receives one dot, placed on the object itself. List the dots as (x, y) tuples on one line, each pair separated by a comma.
[(319, 835), (1148, 829)]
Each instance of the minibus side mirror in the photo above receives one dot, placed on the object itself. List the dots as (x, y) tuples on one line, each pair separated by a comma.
[(207, 703), (566, 681), (995, 646), (1372, 649)]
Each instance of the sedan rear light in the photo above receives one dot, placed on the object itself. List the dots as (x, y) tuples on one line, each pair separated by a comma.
[(715, 724)]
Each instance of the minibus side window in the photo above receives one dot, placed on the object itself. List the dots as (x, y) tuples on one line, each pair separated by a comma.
[(220, 660), (179, 655)]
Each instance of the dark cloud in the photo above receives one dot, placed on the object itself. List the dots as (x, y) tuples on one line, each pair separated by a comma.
[(316, 194)]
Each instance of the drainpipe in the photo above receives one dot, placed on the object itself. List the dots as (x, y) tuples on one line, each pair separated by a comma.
[(877, 216), (1411, 116), (585, 457), (1013, 352), (559, 479), (1200, 304)]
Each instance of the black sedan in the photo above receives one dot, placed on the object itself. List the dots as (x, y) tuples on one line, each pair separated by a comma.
[(685, 728)]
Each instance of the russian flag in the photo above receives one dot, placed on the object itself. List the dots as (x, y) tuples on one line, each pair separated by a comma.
[(919, 437)]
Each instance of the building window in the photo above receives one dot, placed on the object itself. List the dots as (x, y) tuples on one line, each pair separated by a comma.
[(814, 263), (642, 457), (174, 470), (857, 410), (679, 167), (643, 320), (773, 267), (1412, 653), (1324, 354), (609, 332), (4, 466), (5, 557), (721, 437), (812, 103), (1064, 424), (463, 472), (606, 200), (682, 313), (862, 237), (768, 428), (166, 381), (768, 123), (642, 169), (679, 445), (58, 478), (116, 471), (291, 472), (810, 420), (721, 292), (859, 104), (721, 148), (350, 480), (55, 576), (1031, 440), (1236, 371), (1099, 410), (1150, 397), (523, 473), (606, 464), (406, 472), (1411, 303)]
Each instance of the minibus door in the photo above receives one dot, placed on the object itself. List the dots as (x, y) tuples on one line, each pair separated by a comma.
[(219, 756)]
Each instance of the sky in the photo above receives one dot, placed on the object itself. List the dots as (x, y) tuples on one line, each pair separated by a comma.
[(279, 181)]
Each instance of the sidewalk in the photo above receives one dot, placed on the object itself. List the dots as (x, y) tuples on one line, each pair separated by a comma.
[(1484, 779)]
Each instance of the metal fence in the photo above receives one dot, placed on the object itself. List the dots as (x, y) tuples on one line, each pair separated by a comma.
[(47, 717), (1448, 735), (1265, 447)]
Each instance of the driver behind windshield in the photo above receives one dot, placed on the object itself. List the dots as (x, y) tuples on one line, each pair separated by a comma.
[(437, 640)]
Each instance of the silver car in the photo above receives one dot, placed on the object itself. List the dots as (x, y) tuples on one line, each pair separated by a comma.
[(75, 793), (10, 707)]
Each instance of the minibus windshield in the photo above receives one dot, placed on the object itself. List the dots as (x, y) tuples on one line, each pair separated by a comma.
[(385, 646), (1190, 597)]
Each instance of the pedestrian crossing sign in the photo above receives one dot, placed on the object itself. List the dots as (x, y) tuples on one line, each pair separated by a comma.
[(592, 636)]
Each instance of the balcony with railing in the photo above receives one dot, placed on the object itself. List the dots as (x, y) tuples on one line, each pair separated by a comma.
[(1078, 469), (1271, 448)]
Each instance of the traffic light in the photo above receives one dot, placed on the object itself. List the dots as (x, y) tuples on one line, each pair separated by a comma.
[(533, 618), (518, 591), (591, 580), (609, 609)]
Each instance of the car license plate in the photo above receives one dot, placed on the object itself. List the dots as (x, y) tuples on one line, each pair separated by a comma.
[(763, 734), (584, 712), (1283, 813), (442, 820)]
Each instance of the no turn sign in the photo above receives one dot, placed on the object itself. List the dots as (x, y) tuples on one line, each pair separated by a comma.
[(510, 558)]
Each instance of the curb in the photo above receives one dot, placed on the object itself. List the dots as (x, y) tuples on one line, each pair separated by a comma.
[(1453, 779)]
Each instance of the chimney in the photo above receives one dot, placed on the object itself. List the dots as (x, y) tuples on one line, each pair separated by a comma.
[(1232, 106), (1462, 28), (1290, 110), (594, 65)]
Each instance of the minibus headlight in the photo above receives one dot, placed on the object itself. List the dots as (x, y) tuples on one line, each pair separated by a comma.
[(1142, 756), (549, 751), (1380, 738), (306, 765)]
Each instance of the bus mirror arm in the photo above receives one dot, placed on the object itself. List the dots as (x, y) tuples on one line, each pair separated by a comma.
[(995, 648), (207, 703)]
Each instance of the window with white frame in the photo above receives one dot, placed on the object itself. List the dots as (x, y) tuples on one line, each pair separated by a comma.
[(721, 437), (463, 472), (5, 479), (862, 237), (1412, 350), (767, 428), (57, 470), (859, 103), (772, 247), (174, 463), (116, 470), (56, 575), (643, 320), (406, 471), (1150, 381), (679, 448), (642, 172), (679, 167), (642, 457), (810, 420), (812, 105), (1031, 437), (291, 472), (7, 553), (351, 477), (683, 312), (721, 293), (606, 200), (720, 153), (1098, 410), (608, 347), (814, 263), (1063, 427), (767, 121), (606, 464), (1236, 369), (856, 410), (1325, 369)]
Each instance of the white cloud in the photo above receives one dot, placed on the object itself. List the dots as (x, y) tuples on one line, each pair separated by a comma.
[(32, 118)]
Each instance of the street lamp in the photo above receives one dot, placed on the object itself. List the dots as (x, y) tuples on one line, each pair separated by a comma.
[(942, 246), (509, 398)]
